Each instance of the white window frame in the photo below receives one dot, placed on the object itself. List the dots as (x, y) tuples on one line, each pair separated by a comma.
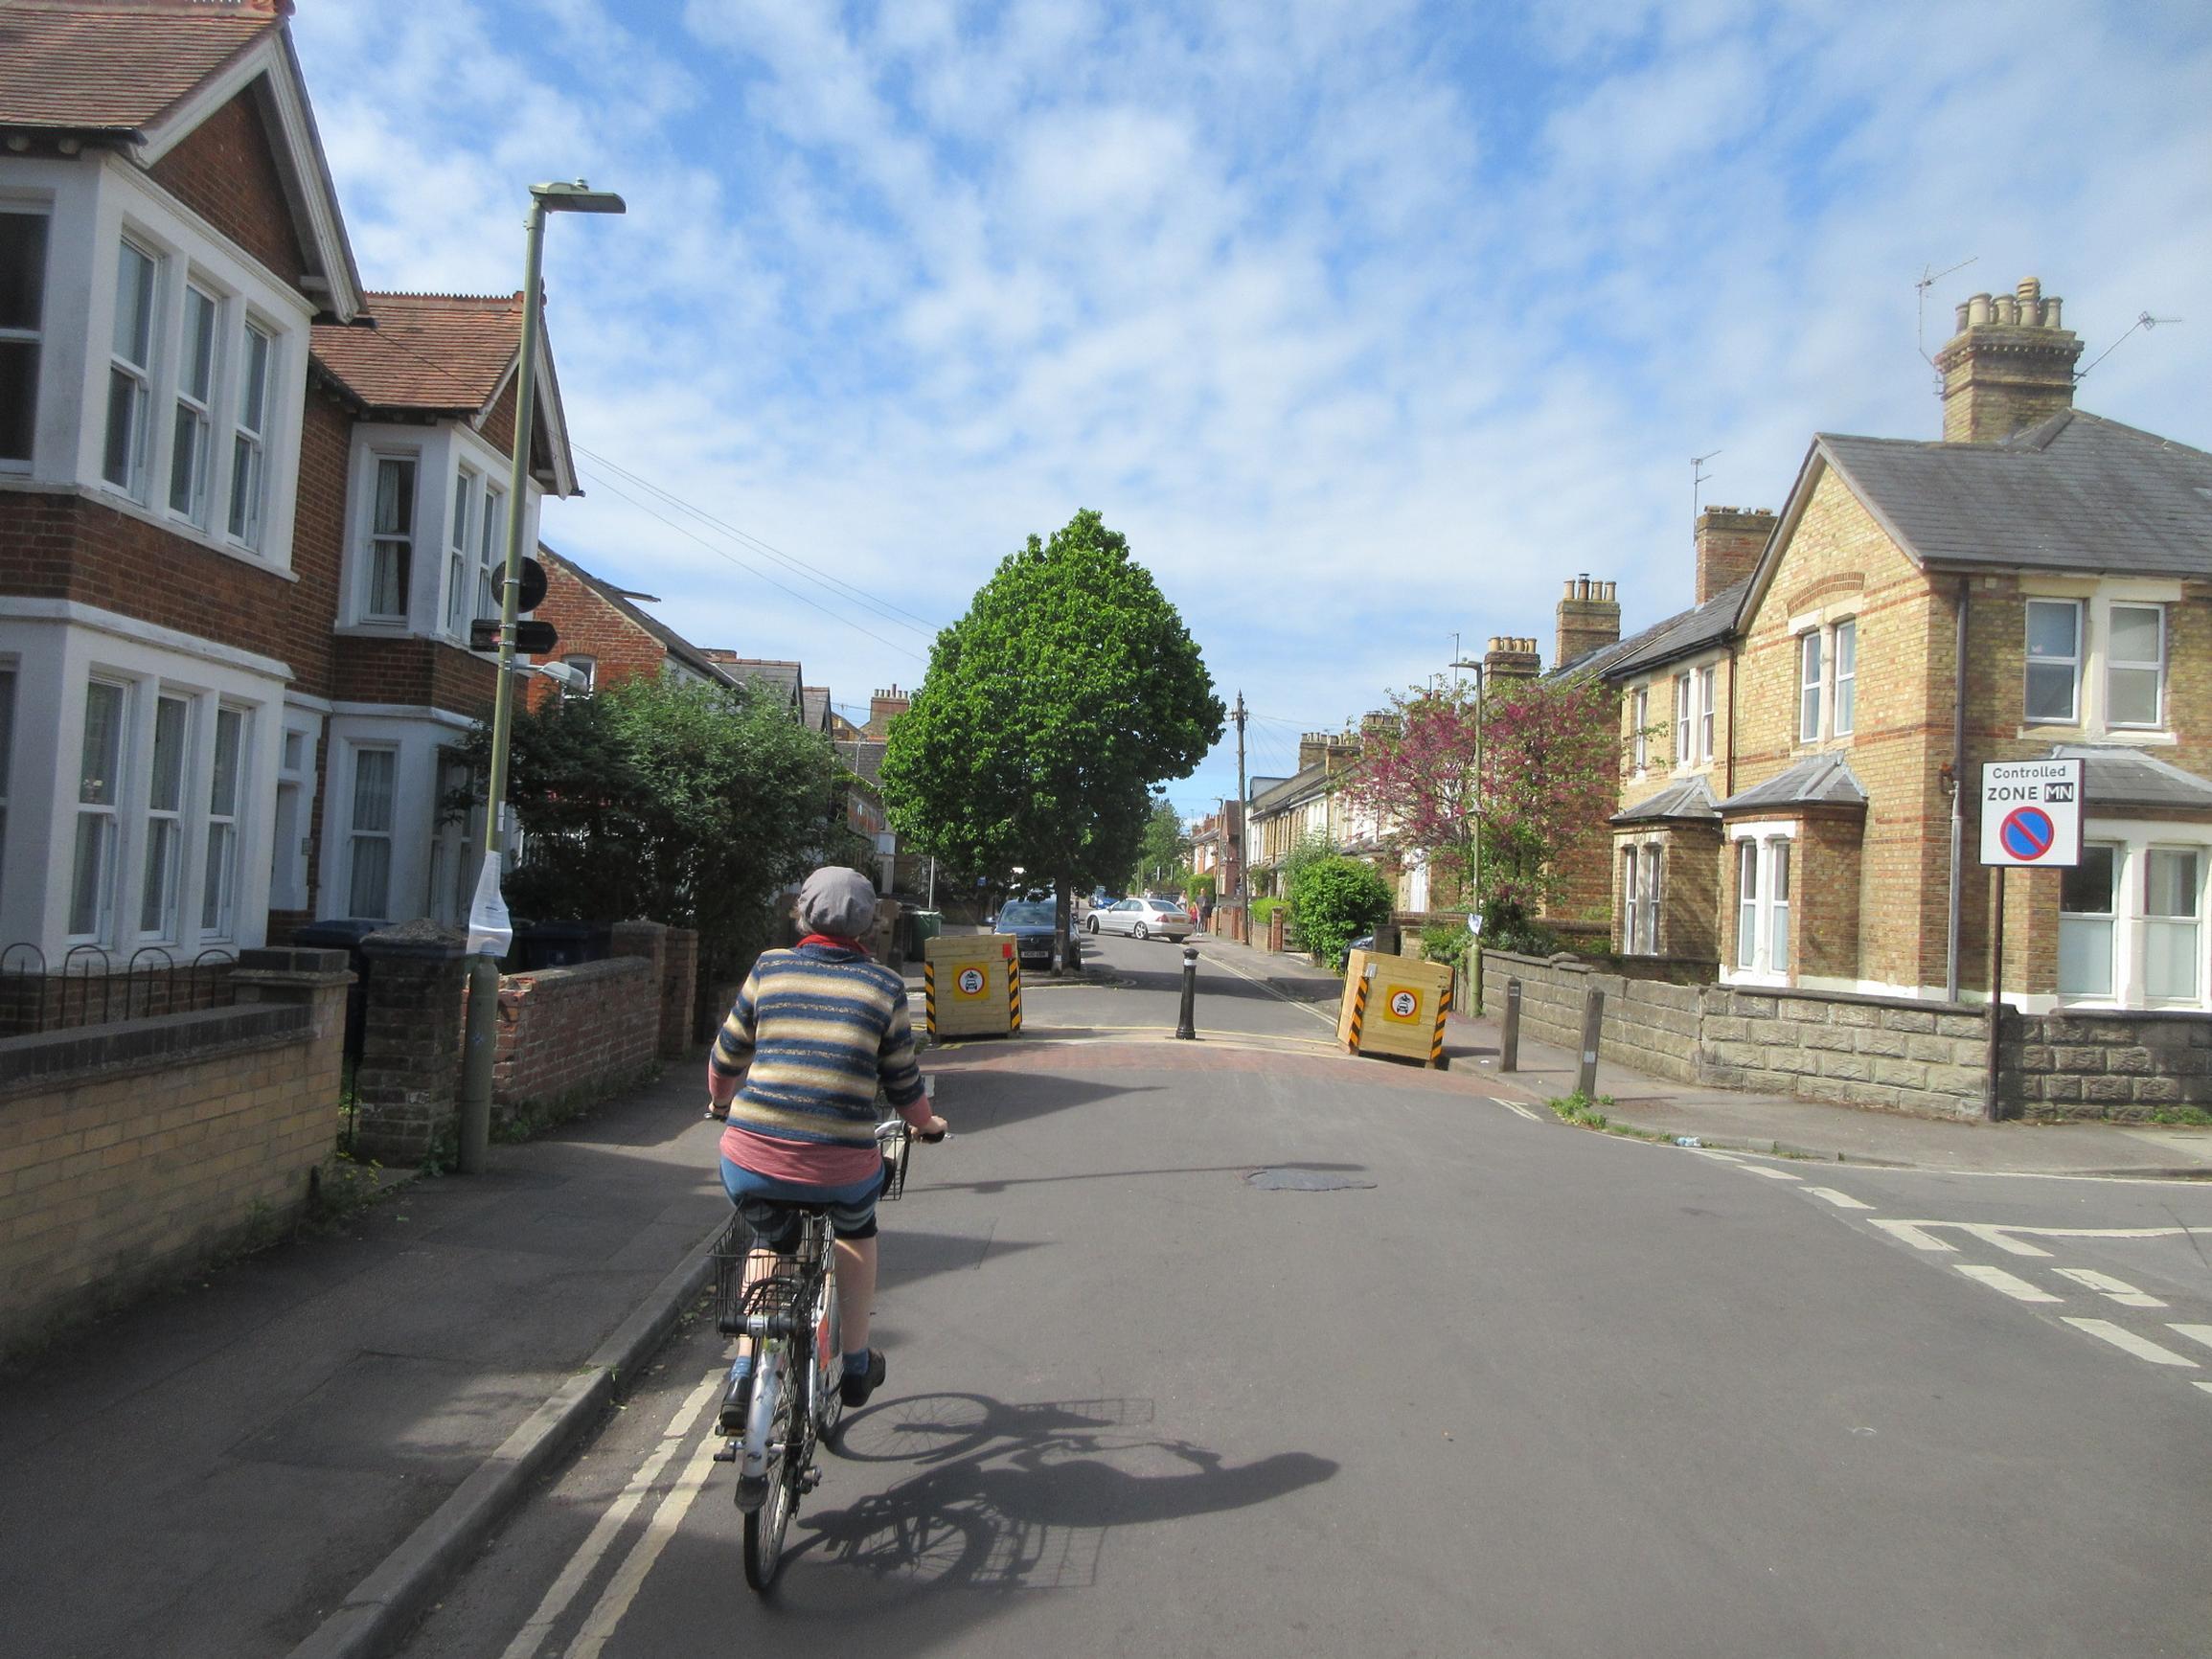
[(1762, 935), (2130, 922), (374, 536), (589, 667), (1843, 669), (459, 547), (1683, 756), (133, 377), (192, 460), (163, 824), (1640, 720), (492, 554), (103, 816), (358, 834), (2073, 664), (2155, 665), (1707, 678), (219, 872), (33, 337), (248, 492), (1641, 879), (10, 679), (2076, 926), (1812, 661), (2187, 927)]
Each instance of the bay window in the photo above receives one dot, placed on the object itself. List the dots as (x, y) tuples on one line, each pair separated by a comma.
[(457, 555), (7, 751), (1762, 906), (2086, 918), (218, 889), (2054, 669), (2173, 901), (22, 320), (131, 372), (1640, 901), (492, 554)]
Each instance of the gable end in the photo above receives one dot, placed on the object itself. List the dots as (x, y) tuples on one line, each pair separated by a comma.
[(225, 170)]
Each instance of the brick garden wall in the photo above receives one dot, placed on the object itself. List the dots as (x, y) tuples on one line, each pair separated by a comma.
[(130, 1153), (571, 1033), (1892, 1053)]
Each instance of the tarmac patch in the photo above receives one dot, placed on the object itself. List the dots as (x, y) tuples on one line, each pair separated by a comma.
[(1300, 1180)]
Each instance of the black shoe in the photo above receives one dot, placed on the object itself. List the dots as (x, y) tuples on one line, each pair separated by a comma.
[(736, 1405), (856, 1389)]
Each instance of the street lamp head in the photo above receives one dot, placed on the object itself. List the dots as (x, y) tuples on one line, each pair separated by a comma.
[(576, 197)]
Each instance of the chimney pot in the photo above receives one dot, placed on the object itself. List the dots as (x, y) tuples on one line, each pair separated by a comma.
[(1977, 310), (1992, 390), (2008, 311), (2050, 313), (2028, 289)]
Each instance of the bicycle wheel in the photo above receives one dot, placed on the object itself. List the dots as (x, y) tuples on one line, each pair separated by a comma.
[(766, 1522)]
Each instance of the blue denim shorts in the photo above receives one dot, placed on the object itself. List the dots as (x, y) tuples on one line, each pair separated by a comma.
[(767, 1204)]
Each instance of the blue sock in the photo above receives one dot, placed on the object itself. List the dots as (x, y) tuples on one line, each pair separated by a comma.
[(856, 1364), (740, 1369)]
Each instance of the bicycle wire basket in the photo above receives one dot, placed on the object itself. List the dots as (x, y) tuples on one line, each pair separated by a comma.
[(734, 1300), (897, 1142)]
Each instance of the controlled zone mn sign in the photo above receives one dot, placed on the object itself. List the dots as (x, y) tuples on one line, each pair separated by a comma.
[(2031, 813)]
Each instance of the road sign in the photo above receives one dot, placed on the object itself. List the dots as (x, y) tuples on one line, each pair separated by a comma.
[(531, 638), (2031, 813), (533, 589)]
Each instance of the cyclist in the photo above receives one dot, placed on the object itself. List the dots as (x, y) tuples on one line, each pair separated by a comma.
[(814, 1034)]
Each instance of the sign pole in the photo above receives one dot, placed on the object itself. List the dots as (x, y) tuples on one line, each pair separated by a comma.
[(1993, 1105)]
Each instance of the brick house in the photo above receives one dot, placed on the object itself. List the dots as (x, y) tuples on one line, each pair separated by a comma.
[(783, 681), (245, 506), (1306, 805), (2033, 585)]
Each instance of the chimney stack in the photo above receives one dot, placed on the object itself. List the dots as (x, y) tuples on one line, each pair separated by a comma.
[(1589, 617), (1511, 658), (1729, 543), (884, 707), (2009, 366)]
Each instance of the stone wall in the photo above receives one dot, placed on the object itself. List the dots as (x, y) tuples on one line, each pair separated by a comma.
[(1889, 1052), (2120, 1066), (569, 1034), (130, 1153)]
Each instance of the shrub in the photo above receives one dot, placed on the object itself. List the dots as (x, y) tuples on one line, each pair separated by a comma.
[(1334, 899)]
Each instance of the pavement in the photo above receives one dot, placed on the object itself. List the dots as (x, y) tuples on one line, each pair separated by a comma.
[(297, 1453)]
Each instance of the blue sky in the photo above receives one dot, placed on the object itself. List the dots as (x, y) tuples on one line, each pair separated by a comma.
[(1368, 321)]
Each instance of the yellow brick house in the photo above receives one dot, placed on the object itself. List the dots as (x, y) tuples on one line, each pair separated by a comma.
[(2036, 584)]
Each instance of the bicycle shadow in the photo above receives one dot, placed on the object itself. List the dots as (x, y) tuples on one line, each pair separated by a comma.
[(1023, 1496)]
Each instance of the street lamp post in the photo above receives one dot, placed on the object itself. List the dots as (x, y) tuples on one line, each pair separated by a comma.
[(1474, 975), (489, 929)]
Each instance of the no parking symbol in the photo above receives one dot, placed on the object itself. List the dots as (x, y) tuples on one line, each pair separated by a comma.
[(2031, 812)]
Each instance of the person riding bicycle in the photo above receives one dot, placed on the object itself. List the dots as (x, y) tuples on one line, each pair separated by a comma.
[(814, 1034)]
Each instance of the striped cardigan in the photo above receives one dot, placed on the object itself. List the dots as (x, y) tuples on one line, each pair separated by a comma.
[(816, 1031)]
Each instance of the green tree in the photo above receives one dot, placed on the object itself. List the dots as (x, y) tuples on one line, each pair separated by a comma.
[(1048, 712), (1165, 850), (692, 804), (1335, 900)]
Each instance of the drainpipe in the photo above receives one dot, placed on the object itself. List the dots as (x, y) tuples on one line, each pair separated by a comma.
[(1958, 788)]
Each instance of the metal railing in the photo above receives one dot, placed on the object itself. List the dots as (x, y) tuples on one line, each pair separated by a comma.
[(90, 989)]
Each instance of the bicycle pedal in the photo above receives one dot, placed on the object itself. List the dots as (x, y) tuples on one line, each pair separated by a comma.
[(808, 1481), (728, 1454)]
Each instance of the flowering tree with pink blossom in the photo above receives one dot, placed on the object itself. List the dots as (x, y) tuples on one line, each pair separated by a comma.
[(1551, 757)]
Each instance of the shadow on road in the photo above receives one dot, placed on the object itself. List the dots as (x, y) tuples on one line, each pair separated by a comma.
[(1134, 1174), (1022, 1496)]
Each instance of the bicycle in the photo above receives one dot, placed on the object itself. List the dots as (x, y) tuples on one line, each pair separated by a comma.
[(781, 1300)]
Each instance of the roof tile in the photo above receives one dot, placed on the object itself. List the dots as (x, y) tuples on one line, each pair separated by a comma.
[(446, 353), (95, 65)]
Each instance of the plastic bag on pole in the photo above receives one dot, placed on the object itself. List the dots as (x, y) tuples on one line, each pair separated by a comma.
[(490, 929)]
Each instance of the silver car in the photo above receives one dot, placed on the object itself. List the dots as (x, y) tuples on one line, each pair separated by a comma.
[(1143, 918)]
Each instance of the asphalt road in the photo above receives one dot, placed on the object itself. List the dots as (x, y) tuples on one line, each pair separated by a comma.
[(1499, 1387)]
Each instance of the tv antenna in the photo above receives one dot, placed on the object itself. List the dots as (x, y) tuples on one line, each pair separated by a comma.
[(1698, 477), (2145, 323), (1928, 278)]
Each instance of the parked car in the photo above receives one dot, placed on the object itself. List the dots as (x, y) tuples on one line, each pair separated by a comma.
[(1143, 918), (1030, 922), (1365, 942)]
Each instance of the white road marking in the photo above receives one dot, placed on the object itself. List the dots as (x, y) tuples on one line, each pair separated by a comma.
[(2128, 1342), (1911, 1233), (2205, 1386), (2105, 1284), (1517, 1108), (1997, 1279), (615, 1600), (581, 1565), (2195, 1332), (1716, 1152), (1273, 989), (1770, 1174), (1841, 1200), (2001, 1238)]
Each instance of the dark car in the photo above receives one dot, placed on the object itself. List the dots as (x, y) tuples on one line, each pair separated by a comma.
[(1030, 922)]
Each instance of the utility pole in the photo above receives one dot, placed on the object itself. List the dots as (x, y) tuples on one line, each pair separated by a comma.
[(1242, 849)]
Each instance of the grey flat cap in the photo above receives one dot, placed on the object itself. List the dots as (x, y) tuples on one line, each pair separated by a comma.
[(837, 900)]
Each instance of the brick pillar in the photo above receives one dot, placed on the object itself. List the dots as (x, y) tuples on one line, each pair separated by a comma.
[(651, 941), (679, 988), (408, 1084)]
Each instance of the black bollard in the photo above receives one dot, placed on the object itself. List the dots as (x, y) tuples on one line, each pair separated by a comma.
[(1509, 1035), (1189, 1030)]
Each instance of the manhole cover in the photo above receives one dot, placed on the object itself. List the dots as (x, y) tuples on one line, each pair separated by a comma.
[(1302, 1180)]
